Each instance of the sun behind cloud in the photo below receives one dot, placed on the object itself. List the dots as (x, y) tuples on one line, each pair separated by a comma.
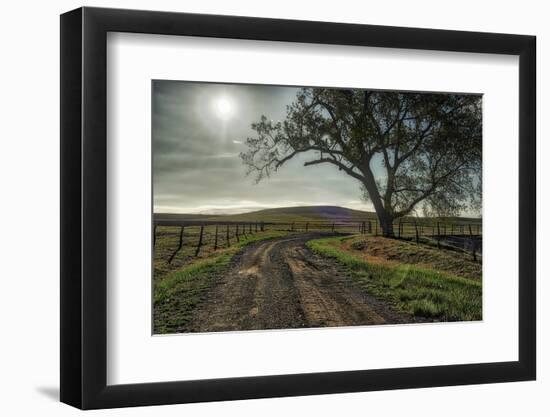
[(224, 107)]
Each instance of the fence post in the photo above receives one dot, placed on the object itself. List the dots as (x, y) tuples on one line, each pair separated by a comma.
[(332, 227), (307, 226), (200, 242), (370, 227), (473, 243), (227, 235), (250, 228), (179, 246), (399, 230), (237, 232), (216, 239), (438, 236), (154, 235), (416, 231), (256, 226)]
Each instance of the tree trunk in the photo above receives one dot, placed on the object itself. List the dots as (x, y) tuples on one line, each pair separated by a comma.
[(386, 223), (385, 218)]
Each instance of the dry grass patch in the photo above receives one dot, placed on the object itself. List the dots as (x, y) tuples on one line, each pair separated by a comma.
[(380, 250)]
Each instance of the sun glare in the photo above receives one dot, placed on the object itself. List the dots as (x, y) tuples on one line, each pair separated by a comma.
[(224, 108)]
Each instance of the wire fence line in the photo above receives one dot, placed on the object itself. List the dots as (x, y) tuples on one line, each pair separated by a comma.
[(197, 234)]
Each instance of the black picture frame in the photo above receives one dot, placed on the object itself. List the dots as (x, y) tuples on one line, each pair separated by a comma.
[(84, 207)]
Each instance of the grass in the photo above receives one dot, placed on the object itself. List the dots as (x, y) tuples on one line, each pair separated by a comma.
[(416, 290), (376, 248), (167, 242), (178, 292)]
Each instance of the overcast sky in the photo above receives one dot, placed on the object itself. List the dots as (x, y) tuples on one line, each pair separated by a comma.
[(199, 130)]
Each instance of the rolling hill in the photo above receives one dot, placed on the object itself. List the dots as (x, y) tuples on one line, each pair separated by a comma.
[(298, 214), (281, 214)]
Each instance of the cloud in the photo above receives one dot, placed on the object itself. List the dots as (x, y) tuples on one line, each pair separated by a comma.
[(196, 164)]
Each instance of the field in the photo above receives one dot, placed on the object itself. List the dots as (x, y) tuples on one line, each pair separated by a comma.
[(416, 280), (312, 267)]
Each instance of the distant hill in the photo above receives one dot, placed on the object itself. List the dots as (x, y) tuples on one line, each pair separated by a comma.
[(281, 214), (296, 214)]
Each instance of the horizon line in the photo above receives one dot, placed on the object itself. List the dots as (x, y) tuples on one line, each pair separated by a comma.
[(224, 211)]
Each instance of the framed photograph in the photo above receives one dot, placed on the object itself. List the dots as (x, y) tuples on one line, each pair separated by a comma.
[(256, 208)]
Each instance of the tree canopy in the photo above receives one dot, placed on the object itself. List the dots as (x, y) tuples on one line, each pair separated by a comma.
[(428, 145)]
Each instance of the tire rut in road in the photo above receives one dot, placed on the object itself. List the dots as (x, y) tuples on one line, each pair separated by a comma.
[(257, 293), (281, 284), (326, 295)]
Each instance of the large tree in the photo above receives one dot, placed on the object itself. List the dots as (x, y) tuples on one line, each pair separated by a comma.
[(428, 146)]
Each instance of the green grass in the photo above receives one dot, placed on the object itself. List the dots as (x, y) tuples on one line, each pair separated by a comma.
[(177, 293), (422, 255), (167, 241), (418, 291)]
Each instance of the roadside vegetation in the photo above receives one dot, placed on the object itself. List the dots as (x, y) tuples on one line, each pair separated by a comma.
[(377, 249), (414, 279), (178, 290)]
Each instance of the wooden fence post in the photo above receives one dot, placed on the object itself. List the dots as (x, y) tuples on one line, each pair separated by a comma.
[(370, 227), (307, 226), (399, 230), (250, 228), (416, 231), (438, 236), (256, 227), (216, 239), (473, 243), (227, 235), (237, 232), (332, 227), (154, 235), (200, 242), (179, 246)]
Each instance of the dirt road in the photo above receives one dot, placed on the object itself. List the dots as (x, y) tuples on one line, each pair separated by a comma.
[(281, 284)]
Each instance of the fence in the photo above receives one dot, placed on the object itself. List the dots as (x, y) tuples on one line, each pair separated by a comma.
[(196, 235)]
